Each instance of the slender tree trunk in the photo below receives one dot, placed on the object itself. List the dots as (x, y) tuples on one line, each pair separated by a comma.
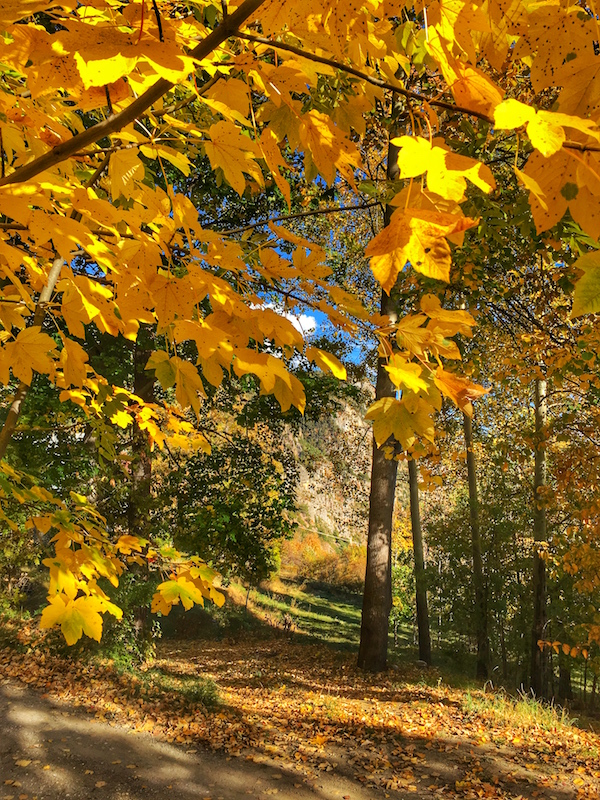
[(140, 496), (14, 412), (565, 689), (503, 649), (539, 659), (377, 597), (479, 590), (420, 585), (138, 512)]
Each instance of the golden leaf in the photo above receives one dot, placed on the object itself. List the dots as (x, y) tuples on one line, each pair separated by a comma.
[(29, 352), (234, 153), (327, 362), (392, 418), (417, 236), (405, 374), (460, 390)]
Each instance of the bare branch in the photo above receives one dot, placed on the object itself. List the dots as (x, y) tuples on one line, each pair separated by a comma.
[(317, 212)]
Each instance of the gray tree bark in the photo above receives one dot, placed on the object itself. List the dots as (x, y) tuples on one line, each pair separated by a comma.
[(539, 659), (377, 596), (420, 585), (479, 589)]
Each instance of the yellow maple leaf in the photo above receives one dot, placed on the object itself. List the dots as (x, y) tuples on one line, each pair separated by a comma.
[(392, 418), (174, 591), (405, 374), (411, 335), (189, 388), (447, 172), (449, 321), (29, 352), (75, 617), (471, 88), (234, 153), (125, 171), (270, 151), (15, 10), (73, 359), (459, 389), (417, 236), (327, 362), (586, 299), (328, 146), (544, 128), (163, 368)]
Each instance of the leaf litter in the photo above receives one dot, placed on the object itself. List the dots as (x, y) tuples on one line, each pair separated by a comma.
[(308, 710)]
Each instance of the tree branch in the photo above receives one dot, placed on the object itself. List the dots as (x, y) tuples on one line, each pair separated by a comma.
[(330, 62), (117, 122), (299, 214), (392, 87)]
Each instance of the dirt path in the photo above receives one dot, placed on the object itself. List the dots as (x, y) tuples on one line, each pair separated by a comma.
[(49, 750), (292, 722)]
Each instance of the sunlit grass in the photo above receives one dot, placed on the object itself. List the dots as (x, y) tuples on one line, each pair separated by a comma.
[(521, 712)]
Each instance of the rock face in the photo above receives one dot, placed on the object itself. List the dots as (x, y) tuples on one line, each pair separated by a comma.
[(334, 454)]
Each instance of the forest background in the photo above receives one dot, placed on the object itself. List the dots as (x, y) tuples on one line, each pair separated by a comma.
[(182, 185)]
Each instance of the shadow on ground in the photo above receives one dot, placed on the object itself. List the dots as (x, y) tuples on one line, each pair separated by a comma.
[(51, 751)]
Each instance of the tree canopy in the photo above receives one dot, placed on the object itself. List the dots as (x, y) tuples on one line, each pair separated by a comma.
[(122, 123)]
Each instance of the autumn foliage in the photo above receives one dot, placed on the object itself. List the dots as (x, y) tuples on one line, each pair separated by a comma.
[(106, 107)]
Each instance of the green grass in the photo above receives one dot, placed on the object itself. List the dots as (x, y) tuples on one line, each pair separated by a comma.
[(320, 615), (193, 690), (520, 712)]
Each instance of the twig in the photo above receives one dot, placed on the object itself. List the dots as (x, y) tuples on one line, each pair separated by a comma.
[(299, 214)]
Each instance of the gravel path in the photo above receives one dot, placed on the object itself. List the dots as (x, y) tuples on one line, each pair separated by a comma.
[(49, 750)]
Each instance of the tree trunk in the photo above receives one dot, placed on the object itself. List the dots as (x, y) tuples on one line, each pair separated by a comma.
[(14, 412), (140, 497), (138, 512), (420, 585), (539, 659), (565, 689), (377, 596), (479, 590)]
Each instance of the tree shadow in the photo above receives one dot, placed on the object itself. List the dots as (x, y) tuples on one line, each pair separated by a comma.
[(51, 751)]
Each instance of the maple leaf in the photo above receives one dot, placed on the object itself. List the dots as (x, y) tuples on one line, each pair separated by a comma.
[(327, 362), (586, 299), (447, 172), (125, 171), (459, 389), (234, 153), (417, 236), (75, 617), (174, 371), (271, 153), (31, 350), (73, 359), (328, 146), (405, 374), (15, 10), (176, 590), (544, 128), (471, 88), (393, 418), (448, 321), (412, 335)]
